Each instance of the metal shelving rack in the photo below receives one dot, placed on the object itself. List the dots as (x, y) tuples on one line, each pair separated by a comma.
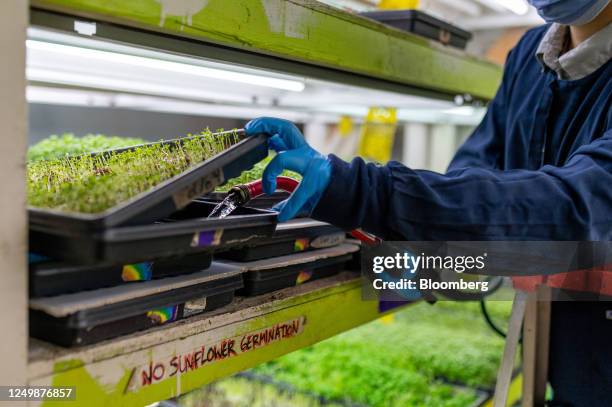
[(295, 36)]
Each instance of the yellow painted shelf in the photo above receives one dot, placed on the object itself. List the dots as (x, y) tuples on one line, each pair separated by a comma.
[(173, 359)]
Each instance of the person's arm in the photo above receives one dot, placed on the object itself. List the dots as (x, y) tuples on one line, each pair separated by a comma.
[(572, 202)]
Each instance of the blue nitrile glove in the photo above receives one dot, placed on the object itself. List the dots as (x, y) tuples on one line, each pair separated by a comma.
[(294, 154)]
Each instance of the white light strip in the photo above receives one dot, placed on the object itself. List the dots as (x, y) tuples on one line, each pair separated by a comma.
[(126, 85), (88, 98), (177, 67), (519, 7), (465, 115)]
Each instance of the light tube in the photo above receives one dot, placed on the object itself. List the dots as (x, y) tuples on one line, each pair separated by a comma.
[(169, 66)]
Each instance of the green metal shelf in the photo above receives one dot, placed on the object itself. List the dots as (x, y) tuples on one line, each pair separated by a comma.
[(294, 35)]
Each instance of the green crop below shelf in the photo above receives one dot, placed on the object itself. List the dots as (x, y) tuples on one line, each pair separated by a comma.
[(92, 184), (253, 174), (241, 392), (401, 362)]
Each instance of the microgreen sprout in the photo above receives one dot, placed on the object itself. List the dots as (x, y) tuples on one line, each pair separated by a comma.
[(68, 144), (253, 174)]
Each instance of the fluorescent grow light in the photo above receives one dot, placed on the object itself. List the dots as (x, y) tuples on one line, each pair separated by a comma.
[(168, 66)]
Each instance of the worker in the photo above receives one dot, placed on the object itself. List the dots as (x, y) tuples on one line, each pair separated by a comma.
[(538, 167)]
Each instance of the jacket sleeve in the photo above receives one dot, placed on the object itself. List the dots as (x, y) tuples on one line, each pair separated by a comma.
[(572, 202)]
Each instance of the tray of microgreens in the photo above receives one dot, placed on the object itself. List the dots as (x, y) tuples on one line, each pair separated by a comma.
[(93, 206)]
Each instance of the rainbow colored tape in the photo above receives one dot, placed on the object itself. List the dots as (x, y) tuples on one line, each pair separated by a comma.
[(301, 244), (163, 315), (137, 272), (304, 276)]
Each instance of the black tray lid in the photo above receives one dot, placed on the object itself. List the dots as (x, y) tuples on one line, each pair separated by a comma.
[(65, 305), (394, 15), (294, 259)]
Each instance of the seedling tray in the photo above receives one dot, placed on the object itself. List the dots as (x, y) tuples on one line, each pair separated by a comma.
[(261, 202), (422, 24), (162, 200), (354, 264), (185, 232), (89, 317), (264, 276), (294, 236), (50, 278)]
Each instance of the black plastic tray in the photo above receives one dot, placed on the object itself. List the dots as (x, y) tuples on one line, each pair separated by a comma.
[(49, 278), (261, 202), (54, 330), (162, 200), (185, 232), (422, 24), (295, 236), (93, 324), (265, 281)]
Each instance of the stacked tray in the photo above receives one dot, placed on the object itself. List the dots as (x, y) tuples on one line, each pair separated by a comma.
[(88, 317), (163, 221), (185, 232), (261, 202), (294, 236), (160, 242), (423, 24), (50, 278), (267, 275)]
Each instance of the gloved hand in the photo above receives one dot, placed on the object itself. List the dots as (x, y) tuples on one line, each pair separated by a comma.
[(294, 154)]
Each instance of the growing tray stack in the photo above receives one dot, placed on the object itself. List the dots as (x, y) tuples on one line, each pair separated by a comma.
[(88, 317), (143, 262), (167, 220), (300, 251)]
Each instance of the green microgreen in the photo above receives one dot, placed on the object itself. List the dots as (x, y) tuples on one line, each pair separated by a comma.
[(253, 174), (89, 183), (54, 147)]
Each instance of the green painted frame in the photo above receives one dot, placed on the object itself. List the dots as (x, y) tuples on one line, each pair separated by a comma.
[(111, 373), (303, 31)]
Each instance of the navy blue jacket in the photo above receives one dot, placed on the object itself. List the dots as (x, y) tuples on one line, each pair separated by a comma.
[(538, 167)]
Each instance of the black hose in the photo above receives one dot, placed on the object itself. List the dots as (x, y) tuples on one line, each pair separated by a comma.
[(492, 325)]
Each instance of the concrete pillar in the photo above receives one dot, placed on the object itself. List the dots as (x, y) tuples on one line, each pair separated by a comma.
[(414, 153), (13, 220), (442, 146)]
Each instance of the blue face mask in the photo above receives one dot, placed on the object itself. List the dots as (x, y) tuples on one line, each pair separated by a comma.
[(570, 12)]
